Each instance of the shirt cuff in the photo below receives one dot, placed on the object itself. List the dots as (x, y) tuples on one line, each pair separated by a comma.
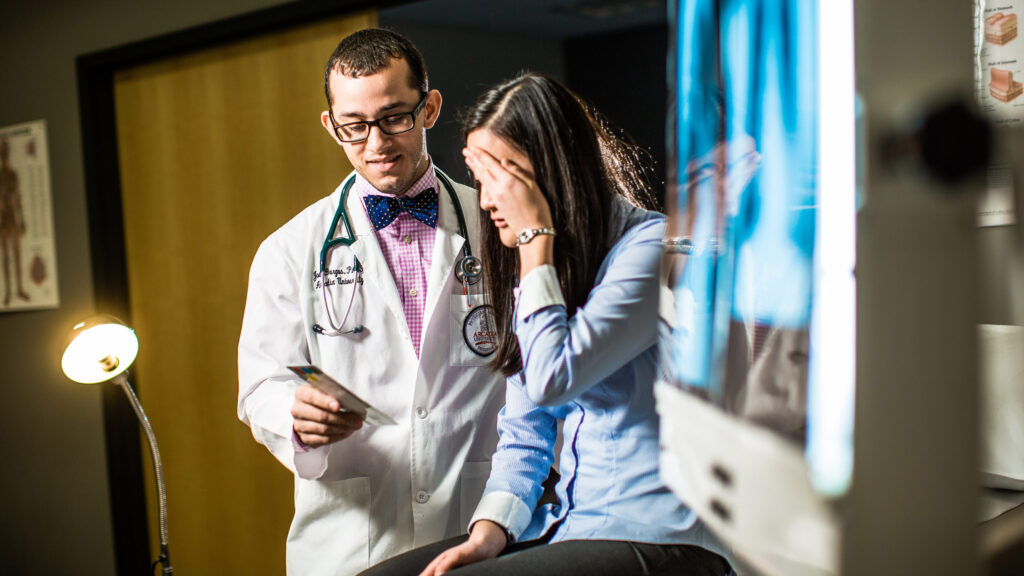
[(504, 509), (297, 443), (539, 289), (310, 463)]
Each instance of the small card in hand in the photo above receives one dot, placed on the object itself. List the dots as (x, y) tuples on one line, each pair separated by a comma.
[(349, 401)]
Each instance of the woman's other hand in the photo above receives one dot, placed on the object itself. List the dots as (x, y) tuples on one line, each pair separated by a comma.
[(486, 540)]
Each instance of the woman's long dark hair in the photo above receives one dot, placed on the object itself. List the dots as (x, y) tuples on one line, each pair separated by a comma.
[(580, 166)]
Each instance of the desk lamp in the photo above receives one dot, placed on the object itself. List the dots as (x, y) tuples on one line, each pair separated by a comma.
[(101, 349)]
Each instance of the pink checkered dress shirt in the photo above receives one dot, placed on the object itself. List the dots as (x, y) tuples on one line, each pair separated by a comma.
[(408, 246)]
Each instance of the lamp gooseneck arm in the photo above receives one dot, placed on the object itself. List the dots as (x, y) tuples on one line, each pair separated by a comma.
[(165, 557)]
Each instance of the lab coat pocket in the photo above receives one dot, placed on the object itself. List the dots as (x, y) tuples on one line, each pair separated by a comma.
[(331, 530), (473, 336), (473, 481)]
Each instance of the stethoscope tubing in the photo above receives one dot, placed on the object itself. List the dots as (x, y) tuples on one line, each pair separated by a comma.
[(330, 242)]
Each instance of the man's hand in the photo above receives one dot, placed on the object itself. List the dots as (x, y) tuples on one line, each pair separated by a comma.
[(318, 420), (486, 541)]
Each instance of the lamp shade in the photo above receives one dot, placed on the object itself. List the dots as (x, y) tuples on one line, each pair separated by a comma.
[(98, 349)]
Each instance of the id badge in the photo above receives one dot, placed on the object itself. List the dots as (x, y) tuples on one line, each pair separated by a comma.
[(474, 336)]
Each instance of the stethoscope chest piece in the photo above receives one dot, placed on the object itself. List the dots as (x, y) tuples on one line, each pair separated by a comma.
[(469, 270)]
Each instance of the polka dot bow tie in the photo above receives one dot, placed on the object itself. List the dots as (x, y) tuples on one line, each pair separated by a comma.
[(384, 209)]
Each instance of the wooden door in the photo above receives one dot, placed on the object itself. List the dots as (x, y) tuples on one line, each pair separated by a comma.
[(217, 149)]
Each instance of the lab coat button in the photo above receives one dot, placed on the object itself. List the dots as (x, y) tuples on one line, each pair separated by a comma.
[(422, 497), (421, 412)]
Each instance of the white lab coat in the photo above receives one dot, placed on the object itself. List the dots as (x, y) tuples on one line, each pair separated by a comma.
[(385, 489)]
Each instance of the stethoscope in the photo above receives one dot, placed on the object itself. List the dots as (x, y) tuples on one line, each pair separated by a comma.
[(468, 271)]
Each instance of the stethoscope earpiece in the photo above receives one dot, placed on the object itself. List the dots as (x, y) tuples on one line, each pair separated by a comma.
[(324, 332)]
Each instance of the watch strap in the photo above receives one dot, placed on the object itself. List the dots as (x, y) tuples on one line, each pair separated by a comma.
[(528, 234)]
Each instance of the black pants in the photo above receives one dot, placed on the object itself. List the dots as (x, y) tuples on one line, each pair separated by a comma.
[(568, 558)]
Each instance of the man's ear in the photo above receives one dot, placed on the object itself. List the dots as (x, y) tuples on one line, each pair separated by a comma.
[(325, 120), (432, 107)]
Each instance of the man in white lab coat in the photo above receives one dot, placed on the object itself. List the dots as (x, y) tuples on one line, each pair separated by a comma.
[(369, 294)]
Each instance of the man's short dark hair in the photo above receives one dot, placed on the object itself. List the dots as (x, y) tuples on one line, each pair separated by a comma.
[(369, 51)]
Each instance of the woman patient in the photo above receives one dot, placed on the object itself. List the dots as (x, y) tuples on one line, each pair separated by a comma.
[(577, 340)]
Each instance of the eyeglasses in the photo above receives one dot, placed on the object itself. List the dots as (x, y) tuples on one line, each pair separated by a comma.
[(392, 124)]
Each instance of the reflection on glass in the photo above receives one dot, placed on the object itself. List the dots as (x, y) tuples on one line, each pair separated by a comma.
[(744, 207), (755, 252)]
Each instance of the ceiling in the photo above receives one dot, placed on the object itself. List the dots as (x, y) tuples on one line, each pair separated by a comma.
[(552, 18)]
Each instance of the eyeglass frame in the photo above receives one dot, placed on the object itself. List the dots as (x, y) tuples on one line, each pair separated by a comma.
[(371, 123)]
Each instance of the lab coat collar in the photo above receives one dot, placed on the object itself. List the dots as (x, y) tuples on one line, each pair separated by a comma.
[(447, 246), (447, 252), (375, 267)]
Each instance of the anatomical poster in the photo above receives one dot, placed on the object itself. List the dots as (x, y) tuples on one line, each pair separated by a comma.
[(29, 266), (999, 60), (999, 84)]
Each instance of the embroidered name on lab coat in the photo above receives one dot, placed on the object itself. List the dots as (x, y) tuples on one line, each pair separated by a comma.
[(335, 277)]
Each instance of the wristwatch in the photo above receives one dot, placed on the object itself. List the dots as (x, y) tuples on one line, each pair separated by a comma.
[(527, 234)]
